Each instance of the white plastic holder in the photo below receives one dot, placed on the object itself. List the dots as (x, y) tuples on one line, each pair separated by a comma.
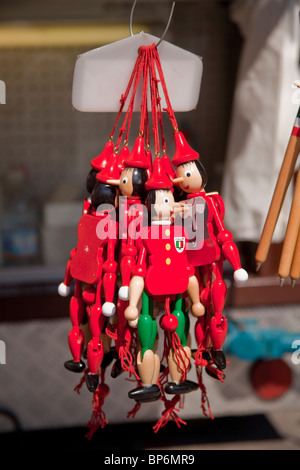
[(101, 75)]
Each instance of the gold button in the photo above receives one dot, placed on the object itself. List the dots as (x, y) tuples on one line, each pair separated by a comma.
[(168, 246), (167, 232), (168, 261)]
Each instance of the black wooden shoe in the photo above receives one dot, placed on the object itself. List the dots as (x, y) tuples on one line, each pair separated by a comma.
[(219, 358), (116, 369), (75, 366), (214, 372), (145, 393), (92, 382), (107, 359), (173, 388)]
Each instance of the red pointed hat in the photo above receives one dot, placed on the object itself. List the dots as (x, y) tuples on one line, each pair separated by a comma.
[(137, 157), (100, 162), (111, 171), (149, 158), (159, 178), (168, 167), (183, 152), (123, 155)]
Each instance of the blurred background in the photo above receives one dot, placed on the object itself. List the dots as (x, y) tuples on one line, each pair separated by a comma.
[(241, 127)]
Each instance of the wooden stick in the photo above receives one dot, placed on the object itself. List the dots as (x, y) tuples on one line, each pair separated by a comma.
[(295, 269), (283, 181), (291, 235)]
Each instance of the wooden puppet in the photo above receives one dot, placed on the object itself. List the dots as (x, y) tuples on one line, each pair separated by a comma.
[(209, 243), (135, 167), (162, 272), (93, 266)]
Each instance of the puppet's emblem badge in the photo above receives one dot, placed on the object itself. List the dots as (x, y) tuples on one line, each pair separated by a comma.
[(179, 244)]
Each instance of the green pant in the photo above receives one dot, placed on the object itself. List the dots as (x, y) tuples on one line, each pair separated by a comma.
[(147, 327)]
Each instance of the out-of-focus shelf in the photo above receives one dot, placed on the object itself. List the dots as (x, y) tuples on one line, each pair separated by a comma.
[(26, 279), (262, 290), (29, 274), (30, 292)]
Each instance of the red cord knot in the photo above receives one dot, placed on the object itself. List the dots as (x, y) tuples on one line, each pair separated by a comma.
[(169, 413), (199, 359), (111, 331), (133, 412)]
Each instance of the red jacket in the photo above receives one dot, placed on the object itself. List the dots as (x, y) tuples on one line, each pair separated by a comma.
[(163, 260)]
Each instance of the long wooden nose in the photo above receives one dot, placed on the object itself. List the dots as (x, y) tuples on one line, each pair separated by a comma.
[(177, 180), (113, 182)]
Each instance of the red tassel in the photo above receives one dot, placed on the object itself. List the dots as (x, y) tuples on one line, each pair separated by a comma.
[(170, 409), (82, 381), (133, 412), (127, 361), (219, 373), (98, 418), (169, 413), (179, 352), (204, 398), (111, 331)]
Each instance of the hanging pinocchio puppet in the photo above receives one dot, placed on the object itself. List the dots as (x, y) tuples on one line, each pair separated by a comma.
[(209, 245), (93, 266), (162, 272), (132, 189), (134, 167)]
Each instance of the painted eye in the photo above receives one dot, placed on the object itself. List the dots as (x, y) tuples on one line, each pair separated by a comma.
[(124, 180), (188, 173), (166, 200)]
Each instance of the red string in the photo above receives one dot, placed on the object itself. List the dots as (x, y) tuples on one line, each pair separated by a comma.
[(169, 108), (180, 355), (133, 412), (147, 62), (140, 70), (125, 95), (204, 397), (111, 331), (167, 305), (170, 408), (158, 101), (127, 361), (145, 90), (166, 347), (146, 129), (179, 352), (134, 341), (153, 92), (98, 418), (128, 116), (78, 387)]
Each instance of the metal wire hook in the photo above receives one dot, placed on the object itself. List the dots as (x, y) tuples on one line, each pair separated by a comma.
[(166, 29)]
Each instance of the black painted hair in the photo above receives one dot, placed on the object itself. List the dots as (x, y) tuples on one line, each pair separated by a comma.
[(201, 170), (139, 178), (178, 193), (91, 180), (103, 194)]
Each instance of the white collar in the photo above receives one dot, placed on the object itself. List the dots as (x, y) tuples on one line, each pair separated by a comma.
[(161, 222)]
